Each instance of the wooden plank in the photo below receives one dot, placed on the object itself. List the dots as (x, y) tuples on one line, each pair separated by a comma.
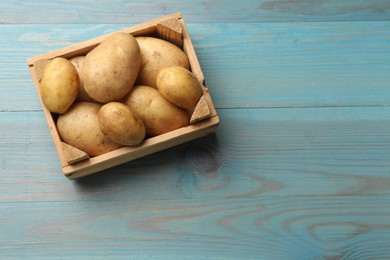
[(245, 65), (256, 153), (122, 11), (295, 64), (268, 228)]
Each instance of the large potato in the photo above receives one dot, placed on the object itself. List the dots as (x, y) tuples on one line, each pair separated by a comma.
[(82, 95), (59, 85), (110, 70), (121, 124), (155, 55), (179, 86), (159, 115), (79, 127)]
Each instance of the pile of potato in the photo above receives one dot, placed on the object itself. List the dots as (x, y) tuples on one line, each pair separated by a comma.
[(125, 89)]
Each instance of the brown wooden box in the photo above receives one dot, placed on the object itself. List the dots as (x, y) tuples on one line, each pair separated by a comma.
[(204, 119)]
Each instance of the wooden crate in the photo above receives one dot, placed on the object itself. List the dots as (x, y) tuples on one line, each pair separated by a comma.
[(204, 119)]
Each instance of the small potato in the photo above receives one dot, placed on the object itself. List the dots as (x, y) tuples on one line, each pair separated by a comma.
[(59, 85), (155, 55), (158, 114), (110, 70), (78, 64), (179, 86), (121, 124), (79, 127)]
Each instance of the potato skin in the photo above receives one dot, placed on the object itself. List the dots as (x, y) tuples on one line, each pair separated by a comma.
[(179, 86), (82, 95), (121, 124), (159, 115), (155, 55), (79, 127), (110, 70), (59, 85)]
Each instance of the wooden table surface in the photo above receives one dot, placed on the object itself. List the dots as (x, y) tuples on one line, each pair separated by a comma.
[(298, 169)]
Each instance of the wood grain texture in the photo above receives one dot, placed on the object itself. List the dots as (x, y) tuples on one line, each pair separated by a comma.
[(123, 11), (299, 167), (72, 154), (201, 111), (274, 64), (307, 183), (277, 228), (255, 153), (172, 31)]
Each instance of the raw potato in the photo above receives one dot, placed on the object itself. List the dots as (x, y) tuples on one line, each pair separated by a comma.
[(179, 86), (121, 124), (78, 64), (59, 85), (155, 55), (110, 70), (159, 115), (79, 127)]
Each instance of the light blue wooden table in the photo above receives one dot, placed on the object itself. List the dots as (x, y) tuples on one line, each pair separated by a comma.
[(299, 167)]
